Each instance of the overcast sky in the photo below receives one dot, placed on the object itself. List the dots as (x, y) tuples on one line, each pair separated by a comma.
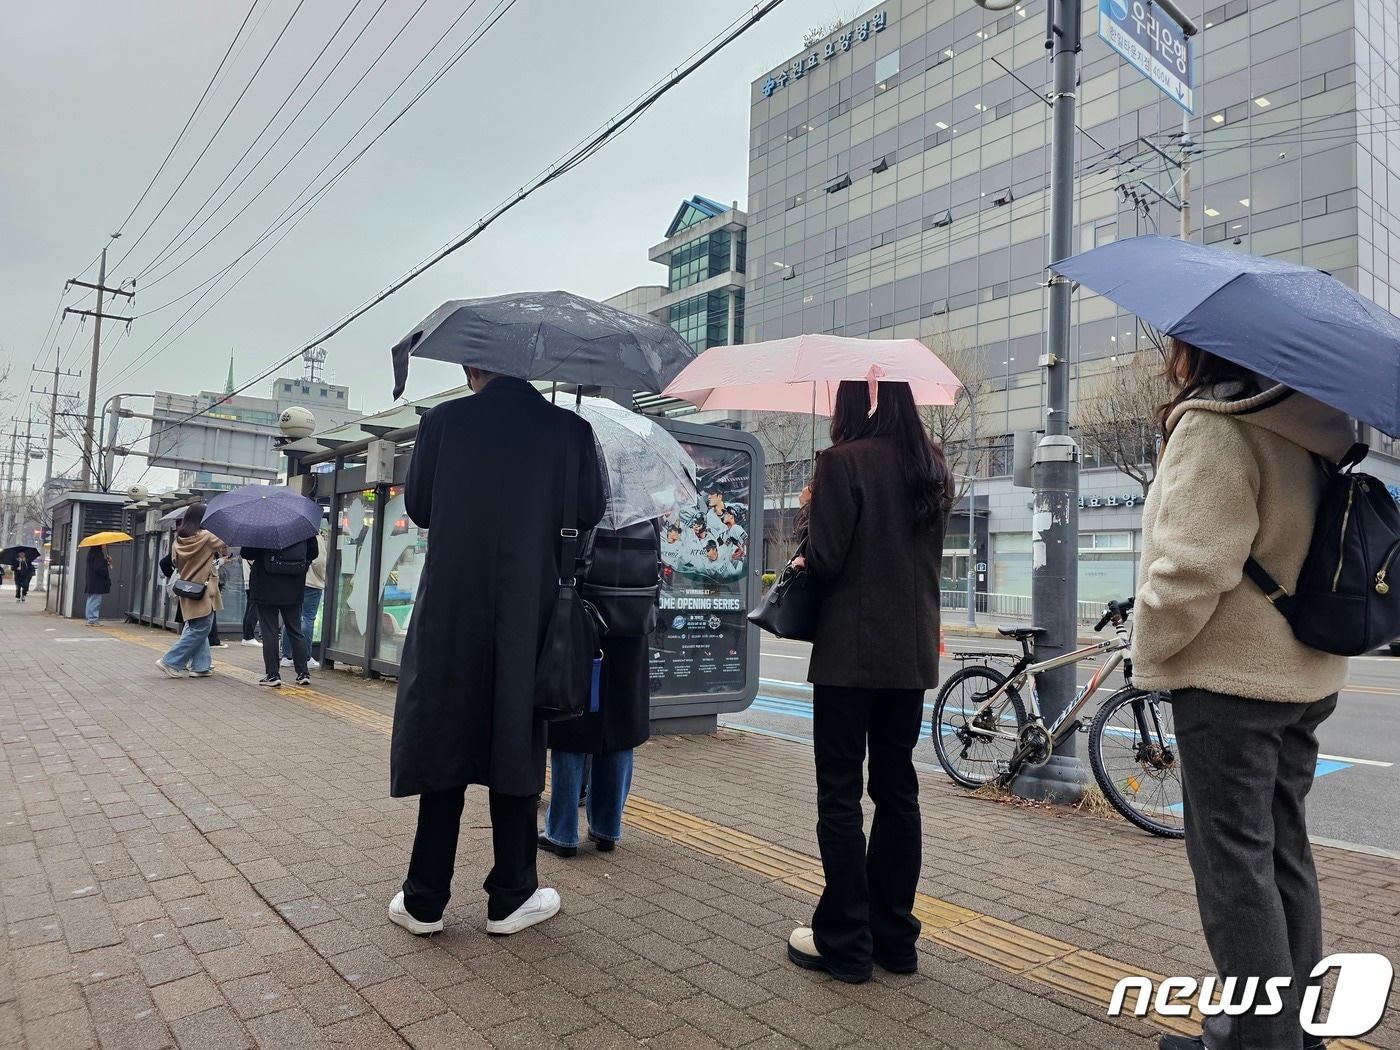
[(94, 95)]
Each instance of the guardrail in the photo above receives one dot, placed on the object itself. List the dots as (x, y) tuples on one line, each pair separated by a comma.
[(1010, 606)]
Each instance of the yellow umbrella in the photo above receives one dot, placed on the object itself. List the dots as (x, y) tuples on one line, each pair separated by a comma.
[(101, 539)]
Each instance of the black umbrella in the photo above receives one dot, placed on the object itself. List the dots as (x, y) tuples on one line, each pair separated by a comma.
[(549, 336), (10, 555), (266, 516)]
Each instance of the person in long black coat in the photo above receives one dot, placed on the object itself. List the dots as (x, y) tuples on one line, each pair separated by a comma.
[(99, 582), (487, 480), (24, 572)]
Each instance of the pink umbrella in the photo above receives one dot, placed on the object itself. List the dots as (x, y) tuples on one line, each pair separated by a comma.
[(802, 374)]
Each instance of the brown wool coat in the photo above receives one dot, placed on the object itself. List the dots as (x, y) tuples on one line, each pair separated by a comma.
[(194, 560), (879, 619)]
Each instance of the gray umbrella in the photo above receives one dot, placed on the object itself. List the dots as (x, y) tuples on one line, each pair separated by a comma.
[(551, 336)]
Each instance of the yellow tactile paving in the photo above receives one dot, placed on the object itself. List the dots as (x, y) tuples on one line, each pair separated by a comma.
[(1082, 974)]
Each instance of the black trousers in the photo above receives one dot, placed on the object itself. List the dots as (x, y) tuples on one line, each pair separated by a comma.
[(867, 908), (511, 882), (250, 618), (21, 588), (272, 637), (1247, 766)]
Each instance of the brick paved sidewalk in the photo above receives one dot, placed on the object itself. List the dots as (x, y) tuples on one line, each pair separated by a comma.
[(203, 863)]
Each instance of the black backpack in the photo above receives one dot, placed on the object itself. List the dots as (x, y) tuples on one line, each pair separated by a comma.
[(289, 561), (1344, 603), (622, 578)]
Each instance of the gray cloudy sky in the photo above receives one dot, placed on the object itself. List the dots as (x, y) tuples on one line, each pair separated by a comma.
[(95, 93)]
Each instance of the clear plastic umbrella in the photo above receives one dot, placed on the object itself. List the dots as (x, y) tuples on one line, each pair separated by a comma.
[(646, 472)]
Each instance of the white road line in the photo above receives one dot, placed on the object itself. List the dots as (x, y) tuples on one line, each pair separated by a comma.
[(1357, 761)]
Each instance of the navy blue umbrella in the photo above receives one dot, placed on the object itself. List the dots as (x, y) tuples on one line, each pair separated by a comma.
[(267, 516), (1292, 324)]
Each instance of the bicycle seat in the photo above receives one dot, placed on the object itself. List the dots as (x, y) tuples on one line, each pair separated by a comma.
[(1020, 633)]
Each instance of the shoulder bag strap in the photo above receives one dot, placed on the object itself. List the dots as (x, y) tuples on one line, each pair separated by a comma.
[(568, 531)]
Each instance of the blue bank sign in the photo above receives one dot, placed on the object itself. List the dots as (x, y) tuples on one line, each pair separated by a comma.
[(1144, 35)]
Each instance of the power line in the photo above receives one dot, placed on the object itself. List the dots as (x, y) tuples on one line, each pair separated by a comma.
[(572, 160), (190, 120), (162, 254), (212, 137)]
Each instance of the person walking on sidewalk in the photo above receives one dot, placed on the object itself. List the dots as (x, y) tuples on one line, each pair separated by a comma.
[(192, 557), (310, 603), (221, 567), (24, 572), (1237, 477), (277, 583), (874, 542), (99, 582), (465, 711)]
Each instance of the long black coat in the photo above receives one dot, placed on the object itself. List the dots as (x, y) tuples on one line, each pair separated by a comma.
[(623, 720), (99, 577), (879, 615), (24, 572), (487, 480), (271, 588)]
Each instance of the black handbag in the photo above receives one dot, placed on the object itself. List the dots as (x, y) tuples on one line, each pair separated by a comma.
[(622, 578), (187, 589), (790, 609), (564, 674)]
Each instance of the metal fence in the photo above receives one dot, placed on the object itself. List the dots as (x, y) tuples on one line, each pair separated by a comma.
[(1009, 606)]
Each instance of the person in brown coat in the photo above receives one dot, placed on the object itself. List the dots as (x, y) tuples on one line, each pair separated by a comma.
[(193, 558), (874, 543)]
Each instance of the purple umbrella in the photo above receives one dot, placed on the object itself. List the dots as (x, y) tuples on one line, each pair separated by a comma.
[(266, 516)]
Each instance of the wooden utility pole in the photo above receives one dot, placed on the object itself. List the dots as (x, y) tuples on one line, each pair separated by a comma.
[(90, 429)]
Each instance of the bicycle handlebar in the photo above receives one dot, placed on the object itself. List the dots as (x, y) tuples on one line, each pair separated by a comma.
[(1117, 612)]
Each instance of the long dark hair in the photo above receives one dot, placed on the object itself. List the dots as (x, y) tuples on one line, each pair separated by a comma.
[(1193, 373), (925, 470), (192, 522)]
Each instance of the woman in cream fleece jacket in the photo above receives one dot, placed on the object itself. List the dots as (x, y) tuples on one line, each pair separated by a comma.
[(1237, 476)]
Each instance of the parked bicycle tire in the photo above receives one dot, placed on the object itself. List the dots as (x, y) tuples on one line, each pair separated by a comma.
[(974, 761), (1140, 776)]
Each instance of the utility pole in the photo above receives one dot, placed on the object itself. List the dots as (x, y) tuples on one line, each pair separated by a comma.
[(1186, 145), (5, 538), (89, 436), (971, 508), (53, 420), (23, 514)]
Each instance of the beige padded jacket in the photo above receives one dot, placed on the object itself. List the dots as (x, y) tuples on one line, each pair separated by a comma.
[(1236, 478)]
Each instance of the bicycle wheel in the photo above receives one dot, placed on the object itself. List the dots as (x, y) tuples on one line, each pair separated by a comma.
[(1133, 752), (970, 757)]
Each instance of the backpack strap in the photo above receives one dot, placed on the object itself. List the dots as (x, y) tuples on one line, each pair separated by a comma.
[(568, 531), (1354, 455), (1273, 590)]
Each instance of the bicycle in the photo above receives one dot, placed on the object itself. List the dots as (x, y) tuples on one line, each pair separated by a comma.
[(981, 731)]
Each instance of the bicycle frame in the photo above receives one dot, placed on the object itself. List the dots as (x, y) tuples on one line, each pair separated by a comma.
[(1116, 649)]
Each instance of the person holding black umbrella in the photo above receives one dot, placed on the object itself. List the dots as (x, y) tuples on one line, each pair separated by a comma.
[(465, 711), (24, 572)]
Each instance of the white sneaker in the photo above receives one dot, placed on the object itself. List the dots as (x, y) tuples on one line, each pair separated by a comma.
[(543, 904), (251, 641), (314, 664), (399, 916), (170, 672), (286, 662)]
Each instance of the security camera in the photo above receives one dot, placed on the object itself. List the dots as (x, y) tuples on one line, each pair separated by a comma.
[(296, 423)]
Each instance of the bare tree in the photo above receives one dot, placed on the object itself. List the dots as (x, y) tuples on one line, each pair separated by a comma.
[(950, 425), (787, 439), (1116, 414)]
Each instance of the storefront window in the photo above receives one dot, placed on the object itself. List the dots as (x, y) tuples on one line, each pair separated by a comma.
[(405, 548), (354, 588)]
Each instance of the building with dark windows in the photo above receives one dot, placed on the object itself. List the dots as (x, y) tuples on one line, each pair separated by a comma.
[(898, 187), (705, 253)]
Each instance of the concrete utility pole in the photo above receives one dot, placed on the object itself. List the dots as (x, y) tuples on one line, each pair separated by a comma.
[(1186, 145), (90, 432), (6, 540), (23, 518), (53, 420)]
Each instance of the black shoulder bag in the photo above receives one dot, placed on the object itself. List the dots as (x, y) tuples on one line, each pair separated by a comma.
[(790, 609), (565, 677)]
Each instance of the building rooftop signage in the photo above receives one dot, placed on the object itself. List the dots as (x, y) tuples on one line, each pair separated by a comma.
[(856, 33), (1152, 42)]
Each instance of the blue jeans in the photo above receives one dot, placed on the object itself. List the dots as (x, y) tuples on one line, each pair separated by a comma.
[(608, 784), (94, 607), (310, 602), (191, 649)]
